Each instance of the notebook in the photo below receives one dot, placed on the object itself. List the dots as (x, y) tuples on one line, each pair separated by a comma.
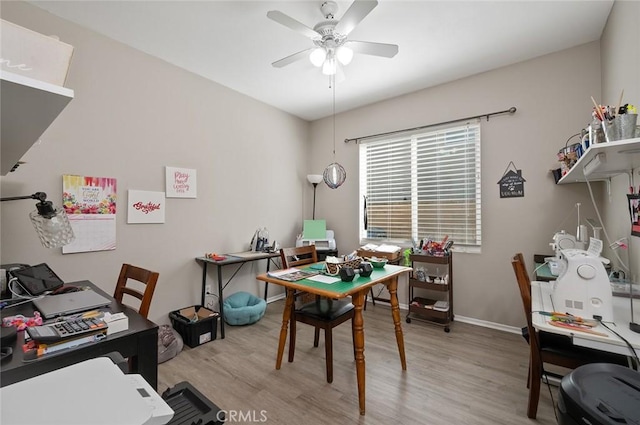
[(69, 303)]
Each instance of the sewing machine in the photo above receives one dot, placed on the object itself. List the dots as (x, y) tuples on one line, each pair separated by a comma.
[(583, 287)]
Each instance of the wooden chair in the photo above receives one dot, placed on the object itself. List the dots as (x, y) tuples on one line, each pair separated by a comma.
[(554, 349), (147, 278), (321, 313)]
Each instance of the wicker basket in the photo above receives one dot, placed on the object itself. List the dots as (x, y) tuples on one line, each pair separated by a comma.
[(334, 268)]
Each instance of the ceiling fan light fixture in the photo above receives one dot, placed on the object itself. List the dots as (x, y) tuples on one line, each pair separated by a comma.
[(318, 56), (329, 67), (344, 55)]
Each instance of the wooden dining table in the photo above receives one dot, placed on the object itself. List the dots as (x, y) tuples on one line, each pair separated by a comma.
[(356, 289)]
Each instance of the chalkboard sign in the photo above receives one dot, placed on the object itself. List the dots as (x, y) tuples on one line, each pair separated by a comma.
[(511, 184)]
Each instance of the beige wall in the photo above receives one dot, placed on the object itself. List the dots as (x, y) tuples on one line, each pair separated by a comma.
[(553, 103), (132, 115), (620, 71)]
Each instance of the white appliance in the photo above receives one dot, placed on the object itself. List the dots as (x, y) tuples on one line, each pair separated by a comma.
[(93, 392), (328, 243), (583, 288)]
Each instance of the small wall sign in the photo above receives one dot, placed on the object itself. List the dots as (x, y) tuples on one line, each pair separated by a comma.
[(511, 184), (180, 182), (145, 207)]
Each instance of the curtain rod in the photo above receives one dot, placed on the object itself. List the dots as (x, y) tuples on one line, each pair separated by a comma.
[(506, 111)]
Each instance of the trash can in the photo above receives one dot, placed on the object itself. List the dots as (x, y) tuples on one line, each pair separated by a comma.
[(599, 394)]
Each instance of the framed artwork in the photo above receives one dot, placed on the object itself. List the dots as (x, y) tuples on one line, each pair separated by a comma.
[(145, 207), (181, 183)]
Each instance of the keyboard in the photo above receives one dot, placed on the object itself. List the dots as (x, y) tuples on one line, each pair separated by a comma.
[(67, 329)]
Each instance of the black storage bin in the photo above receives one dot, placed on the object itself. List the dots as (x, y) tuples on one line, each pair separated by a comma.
[(191, 407), (600, 394), (196, 325)]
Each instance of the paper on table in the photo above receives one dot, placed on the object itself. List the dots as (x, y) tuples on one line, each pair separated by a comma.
[(388, 248), (324, 279)]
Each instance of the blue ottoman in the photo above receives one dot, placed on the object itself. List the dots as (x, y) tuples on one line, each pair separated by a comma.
[(243, 308)]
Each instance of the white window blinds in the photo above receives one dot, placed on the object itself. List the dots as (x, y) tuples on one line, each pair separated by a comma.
[(422, 185)]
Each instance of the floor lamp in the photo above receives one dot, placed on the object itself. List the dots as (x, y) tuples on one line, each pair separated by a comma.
[(314, 179)]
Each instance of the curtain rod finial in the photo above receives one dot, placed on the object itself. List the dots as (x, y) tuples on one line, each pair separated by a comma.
[(512, 110)]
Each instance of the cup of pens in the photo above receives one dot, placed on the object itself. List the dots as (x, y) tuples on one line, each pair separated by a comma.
[(611, 129)]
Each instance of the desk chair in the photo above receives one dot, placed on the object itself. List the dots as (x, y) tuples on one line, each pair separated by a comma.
[(545, 347), (147, 278), (321, 313)]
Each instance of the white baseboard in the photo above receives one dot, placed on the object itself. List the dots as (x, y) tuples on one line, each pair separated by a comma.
[(458, 318)]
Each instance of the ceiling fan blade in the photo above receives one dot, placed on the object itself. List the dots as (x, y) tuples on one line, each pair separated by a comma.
[(292, 58), (358, 10), (375, 49), (291, 23)]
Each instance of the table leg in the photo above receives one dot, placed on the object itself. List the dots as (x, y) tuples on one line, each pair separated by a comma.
[(392, 286), (145, 362), (220, 302), (286, 315), (204, 283), (358, 340), (266, 284)]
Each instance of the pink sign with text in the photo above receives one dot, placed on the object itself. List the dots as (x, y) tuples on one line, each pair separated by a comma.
[(181, 182)]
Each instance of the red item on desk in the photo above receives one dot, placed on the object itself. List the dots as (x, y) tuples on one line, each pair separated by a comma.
[(22, 322), (576, 327), (215, 257)]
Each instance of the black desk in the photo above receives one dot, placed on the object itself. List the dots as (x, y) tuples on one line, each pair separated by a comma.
[(139, 343), (240, 258)]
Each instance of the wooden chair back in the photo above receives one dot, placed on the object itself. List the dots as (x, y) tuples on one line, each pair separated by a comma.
[(298, 256), (146, 278), (524, 284)]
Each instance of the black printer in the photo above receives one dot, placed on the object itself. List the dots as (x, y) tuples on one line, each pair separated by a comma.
[(600, 394)]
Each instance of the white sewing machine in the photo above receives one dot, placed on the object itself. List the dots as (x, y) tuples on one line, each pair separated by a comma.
[(583, 287), (561, 240)]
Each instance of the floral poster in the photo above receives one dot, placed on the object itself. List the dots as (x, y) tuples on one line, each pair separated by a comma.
[(145, 207), (90, 203), (181, 182)]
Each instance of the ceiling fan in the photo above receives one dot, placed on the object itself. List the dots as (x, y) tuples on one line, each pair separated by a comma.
[(330, 37)]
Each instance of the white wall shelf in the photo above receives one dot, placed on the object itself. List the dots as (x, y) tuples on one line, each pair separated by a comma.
[(28, 107), (605, 160)]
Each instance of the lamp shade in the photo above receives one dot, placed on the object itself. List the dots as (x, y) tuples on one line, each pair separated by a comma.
[(314, 178), (334, 175), (54, 231), (318, 56), (344, 55), (329, 67), (51, 224)]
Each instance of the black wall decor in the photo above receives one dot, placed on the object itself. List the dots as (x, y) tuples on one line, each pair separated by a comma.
[(511, 184)]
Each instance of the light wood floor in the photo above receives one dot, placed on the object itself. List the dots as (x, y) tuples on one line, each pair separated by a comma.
[(472, 375)]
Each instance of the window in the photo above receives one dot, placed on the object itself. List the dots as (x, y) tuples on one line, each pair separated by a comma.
[(422, 185)]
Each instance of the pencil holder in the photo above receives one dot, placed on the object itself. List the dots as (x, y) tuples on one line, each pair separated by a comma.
[(627, 125)]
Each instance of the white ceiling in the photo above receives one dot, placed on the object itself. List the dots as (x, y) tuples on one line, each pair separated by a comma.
[(234, 43)]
